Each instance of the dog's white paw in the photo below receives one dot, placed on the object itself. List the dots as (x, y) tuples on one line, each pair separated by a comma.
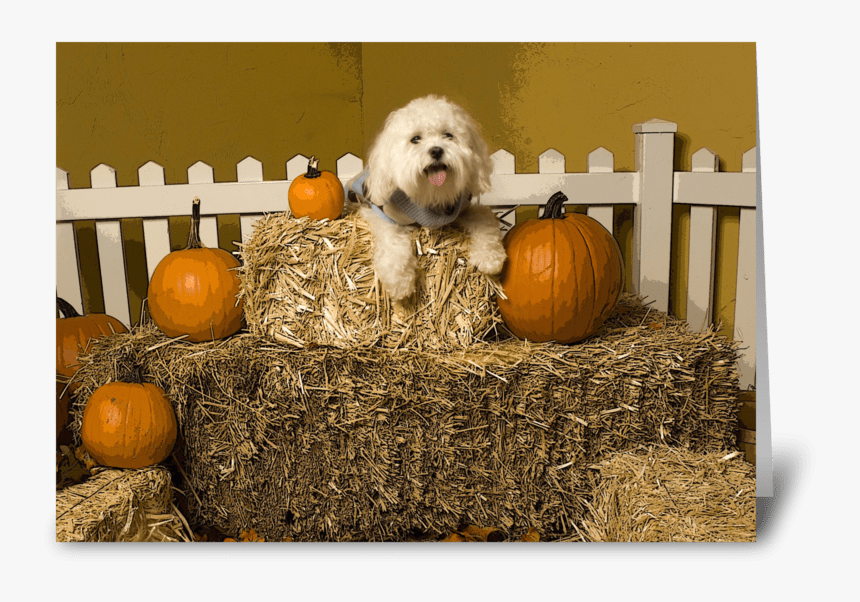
[(399, 289), (488, 259)]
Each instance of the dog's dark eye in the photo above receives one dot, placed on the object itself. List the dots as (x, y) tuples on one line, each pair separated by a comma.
[(449, 135), (416, 139)]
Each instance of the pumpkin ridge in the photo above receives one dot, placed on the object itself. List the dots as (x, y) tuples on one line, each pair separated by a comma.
[(152, 446), (593, 296), (553, 282), (610, 247), (570, 328), (527, 322), (129, 405)]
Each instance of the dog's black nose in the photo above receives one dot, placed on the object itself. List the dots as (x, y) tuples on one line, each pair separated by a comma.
[(436, 153)]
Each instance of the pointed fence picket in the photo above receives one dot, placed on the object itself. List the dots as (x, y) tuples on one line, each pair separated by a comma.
[(653, 189)]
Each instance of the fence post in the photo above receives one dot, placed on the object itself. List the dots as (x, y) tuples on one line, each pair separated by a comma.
[(601, 160), (68, 277), (745, 296), (652, 227), (703, 244)]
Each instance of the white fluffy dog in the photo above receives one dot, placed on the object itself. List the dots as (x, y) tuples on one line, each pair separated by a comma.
[(422, 169)]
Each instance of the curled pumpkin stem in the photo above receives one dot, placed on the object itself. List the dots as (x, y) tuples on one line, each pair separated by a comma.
[(553, 208), (66, 309), (313, 169), (194, 241)]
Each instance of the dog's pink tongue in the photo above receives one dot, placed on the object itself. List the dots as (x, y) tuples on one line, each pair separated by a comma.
[(437, 178)]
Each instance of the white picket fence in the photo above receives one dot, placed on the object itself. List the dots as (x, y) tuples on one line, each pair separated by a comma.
[(653, 188)]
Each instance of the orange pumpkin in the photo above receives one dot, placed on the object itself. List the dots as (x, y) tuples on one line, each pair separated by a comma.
[(193, 290), (563, 276), (128, 425), (316, 194), (74, 332)]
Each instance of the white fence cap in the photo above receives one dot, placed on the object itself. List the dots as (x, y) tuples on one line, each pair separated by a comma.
[(655, 126)]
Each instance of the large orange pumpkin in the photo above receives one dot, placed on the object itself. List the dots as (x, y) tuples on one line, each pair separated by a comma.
[(562, 278), (316, 194), (193, 290), (128, 425)]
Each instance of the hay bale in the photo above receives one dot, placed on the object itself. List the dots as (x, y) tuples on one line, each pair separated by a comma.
[(312, 282), (668, 494), (120, 505), (332, 444)]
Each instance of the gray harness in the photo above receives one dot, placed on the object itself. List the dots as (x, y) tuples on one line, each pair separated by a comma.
[(426, 217)]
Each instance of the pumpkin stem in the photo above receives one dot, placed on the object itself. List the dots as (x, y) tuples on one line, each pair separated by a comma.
[(194, 233), (66, 309), (553, 208), (313, 172), (130, 374)]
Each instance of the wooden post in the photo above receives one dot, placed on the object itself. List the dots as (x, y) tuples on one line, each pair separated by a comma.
[(156, 233), (248, 169), (68, 277), (601, 160), (652, 228), (203, 173), (111, 253), (703, 241), (745, 296)]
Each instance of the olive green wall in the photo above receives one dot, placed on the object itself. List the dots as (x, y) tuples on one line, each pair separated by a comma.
[(577, 97), (175, 104), (126, 104)]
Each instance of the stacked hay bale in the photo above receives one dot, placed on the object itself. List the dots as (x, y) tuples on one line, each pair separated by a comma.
[(307, 282), (326, 437), (121, 505), (662, 493)]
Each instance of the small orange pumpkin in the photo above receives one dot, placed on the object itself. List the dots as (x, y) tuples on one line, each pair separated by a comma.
[(563, 276), (193, 290), (74, 332), (128, 425), (316, 194)]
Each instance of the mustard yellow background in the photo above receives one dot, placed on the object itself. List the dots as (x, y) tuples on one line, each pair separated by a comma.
[(128, 103)]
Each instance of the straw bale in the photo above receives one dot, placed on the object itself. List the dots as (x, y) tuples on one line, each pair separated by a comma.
[(120, 505), (324, 443), (662, 493), (312, 282)]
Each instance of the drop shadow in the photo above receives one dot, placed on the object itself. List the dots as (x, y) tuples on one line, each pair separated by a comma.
[(790, 463)]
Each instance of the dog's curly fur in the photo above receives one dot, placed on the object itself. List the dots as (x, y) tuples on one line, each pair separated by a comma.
[(432, 150)]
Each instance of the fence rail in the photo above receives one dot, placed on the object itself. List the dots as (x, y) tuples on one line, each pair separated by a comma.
[(117, 235)]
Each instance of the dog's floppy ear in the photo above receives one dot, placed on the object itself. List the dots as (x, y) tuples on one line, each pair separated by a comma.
[(380, 183), (483, 168)]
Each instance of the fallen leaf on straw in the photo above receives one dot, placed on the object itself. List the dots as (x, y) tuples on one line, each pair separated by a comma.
[(475, 533), (85, 458), (484, 534), (250, 535)]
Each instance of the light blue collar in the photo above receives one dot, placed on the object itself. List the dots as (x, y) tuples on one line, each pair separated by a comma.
[(428, 218)]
